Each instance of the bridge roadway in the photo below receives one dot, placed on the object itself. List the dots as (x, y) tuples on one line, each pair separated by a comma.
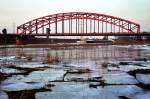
[(81, 34), (11, 38)]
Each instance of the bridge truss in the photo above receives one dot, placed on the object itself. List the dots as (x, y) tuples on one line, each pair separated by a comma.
[(78, 24)]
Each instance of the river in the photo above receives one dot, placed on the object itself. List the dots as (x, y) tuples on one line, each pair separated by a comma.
[(96, 72)]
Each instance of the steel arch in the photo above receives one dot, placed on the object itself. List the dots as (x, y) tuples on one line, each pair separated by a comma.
[(36, 24)]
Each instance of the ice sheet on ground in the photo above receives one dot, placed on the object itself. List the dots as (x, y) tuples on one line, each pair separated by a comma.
[(38, 76), (7, 58), (84, 76), (44, 76), (21, 86), (146, 64), (10, 70), (34, 65), (127, 68), (82, 91), (3, 95), (143, 78), (145, 95), (119, 78), (13, 79)]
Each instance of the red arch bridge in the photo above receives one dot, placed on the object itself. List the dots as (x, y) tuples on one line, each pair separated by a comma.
[(80, 24)]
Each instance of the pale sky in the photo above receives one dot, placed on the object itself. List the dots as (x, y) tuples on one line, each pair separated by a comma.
[(21, 11)]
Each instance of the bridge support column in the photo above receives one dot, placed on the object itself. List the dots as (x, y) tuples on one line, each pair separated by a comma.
[(47, 34), (19, 40), (139, 38)]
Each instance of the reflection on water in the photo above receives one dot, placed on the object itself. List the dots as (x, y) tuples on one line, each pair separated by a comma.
[(79, 72), (94, 53)]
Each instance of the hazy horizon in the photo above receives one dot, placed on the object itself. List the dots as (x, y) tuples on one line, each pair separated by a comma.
[(17, 12)]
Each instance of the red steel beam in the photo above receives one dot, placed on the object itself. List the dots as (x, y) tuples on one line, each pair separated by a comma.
[(41, 22)]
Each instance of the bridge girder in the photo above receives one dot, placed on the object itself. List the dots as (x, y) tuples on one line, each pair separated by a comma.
[(33, 26)]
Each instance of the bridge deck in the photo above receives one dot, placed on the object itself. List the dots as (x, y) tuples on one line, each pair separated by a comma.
[(81, 34), (92, 34)]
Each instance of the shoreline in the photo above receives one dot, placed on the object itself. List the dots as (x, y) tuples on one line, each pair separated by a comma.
[(58, 45)]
